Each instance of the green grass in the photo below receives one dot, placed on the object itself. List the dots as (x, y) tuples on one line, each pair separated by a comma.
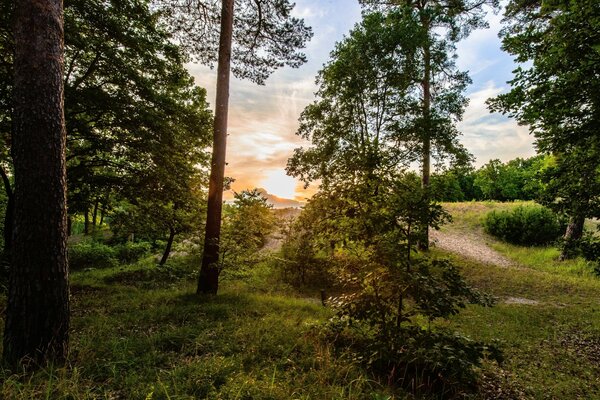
[(552, 349), (138, 332)]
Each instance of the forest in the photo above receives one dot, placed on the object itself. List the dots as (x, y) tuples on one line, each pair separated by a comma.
[(132, 265)]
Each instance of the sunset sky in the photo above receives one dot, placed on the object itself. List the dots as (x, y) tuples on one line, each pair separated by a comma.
[(263, 119)]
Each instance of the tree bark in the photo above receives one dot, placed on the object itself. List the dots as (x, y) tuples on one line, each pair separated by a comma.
[(9, 214), (208, 280), (573, 233), (86, 222), (95, 215), (37, 314), (424, 242), (165, 256)]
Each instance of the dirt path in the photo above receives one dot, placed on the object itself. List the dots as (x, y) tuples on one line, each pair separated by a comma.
[(470, 246)]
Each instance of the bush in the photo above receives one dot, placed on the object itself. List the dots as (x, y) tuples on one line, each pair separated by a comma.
[(388, 323), (91, 255), (131, 252), (525, 225)]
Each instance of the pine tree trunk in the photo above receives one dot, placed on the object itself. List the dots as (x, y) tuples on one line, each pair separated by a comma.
[(573, 233), (208, 280), (165, 256), (37, 314)]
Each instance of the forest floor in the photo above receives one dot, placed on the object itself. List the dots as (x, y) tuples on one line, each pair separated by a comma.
[(139, 332)]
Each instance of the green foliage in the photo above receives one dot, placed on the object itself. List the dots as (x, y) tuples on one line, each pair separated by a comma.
[(138, 126), (91, 254), (393, 297), (246, 224), (518, 179), (556, 93), (95, 254), (130, 252), (301, 250), (525, 225), (266, 36)]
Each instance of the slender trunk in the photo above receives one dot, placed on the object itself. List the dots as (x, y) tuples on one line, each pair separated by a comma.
[(424, 242), (102, 211), (95, 215), (573, 233), (37, 313), (208, 280), (165, 256), (86, 223), (8, 213)]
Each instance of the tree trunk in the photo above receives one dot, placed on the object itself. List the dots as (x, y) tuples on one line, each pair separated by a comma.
[(424, 242), (165, 256), (102, 211), (95, 215), (208, 280), (573, 233), (37, 314), (9, 214), (86, 222)]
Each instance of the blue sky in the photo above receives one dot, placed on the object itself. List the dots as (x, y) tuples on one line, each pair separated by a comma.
[(264, 119)]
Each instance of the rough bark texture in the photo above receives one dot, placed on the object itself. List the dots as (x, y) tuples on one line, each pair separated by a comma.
[(165, 256), (208, 280), (37, 314), (573, 233)]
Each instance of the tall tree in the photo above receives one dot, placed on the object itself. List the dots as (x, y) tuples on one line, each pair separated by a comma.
[(208, 279), (250, 38), (37, 315), (556, 92), (442, 24), (135, 120)]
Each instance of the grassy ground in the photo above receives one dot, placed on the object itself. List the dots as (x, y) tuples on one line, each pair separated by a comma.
[(139, 333), (552, 348)]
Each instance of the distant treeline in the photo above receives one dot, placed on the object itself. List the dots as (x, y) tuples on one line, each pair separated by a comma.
[(517, 179)]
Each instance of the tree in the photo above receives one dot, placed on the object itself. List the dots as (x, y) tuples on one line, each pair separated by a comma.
[(251, 38), (134, 118), (441, 24), (37, 314), (357, 124), (246, 225), (555, 91)]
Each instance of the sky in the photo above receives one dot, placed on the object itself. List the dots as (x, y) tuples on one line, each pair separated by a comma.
[(263, 119)]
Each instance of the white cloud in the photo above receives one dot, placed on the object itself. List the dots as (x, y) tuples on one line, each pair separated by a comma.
[(489, 136)]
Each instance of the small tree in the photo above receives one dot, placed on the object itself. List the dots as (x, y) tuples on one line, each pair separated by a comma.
[(246, 225)]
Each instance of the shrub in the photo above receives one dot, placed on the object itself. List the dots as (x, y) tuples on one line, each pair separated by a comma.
[(91, 255), (130, 252), (388, 322), (525, 225)]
